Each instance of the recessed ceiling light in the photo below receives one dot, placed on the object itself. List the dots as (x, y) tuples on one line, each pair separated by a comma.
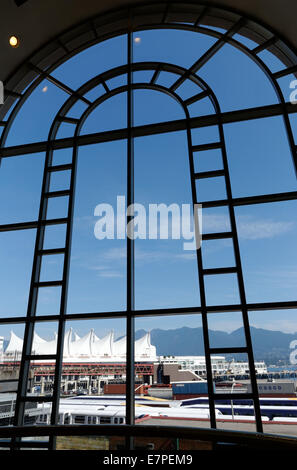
[(137, 39), (44, 89), (14, 41)]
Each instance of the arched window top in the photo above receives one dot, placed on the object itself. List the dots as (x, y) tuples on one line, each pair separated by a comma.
[(183, 35), (243, 62), (179, 103)]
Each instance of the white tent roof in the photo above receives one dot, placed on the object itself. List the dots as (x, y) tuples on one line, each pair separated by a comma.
[(15, 344), (82, 346), (44, 347), (119, 347), (104, 346), (89, 347), (143, 346)]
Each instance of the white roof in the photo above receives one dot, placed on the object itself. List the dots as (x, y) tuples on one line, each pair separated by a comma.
[(15, 344), (104, 346), (89, 347)]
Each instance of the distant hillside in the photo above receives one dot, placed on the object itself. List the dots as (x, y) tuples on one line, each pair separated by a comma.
[(270, 346)]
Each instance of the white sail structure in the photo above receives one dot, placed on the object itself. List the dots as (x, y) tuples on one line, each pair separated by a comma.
[(15, 345), (89, 348), (76, 337), (144, 348), (82, 346), (38, 339), (119, 347), (44, 347), (103, 347)]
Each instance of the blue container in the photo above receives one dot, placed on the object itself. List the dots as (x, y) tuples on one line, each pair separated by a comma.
[(189, 388)]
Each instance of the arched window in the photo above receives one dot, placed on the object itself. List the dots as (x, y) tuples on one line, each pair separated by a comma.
[(181, 106)]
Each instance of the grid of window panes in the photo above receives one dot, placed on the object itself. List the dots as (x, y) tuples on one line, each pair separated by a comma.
[(121, 112)]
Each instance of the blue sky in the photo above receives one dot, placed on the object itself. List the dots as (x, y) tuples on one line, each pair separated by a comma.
[(166, 275)]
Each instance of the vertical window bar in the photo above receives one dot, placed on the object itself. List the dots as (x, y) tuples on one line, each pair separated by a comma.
[(201, 284), (32, 301), (245, 318), (63, 305), (130, 380)]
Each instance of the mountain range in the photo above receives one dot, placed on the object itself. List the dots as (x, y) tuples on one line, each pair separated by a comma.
[(270, 346)]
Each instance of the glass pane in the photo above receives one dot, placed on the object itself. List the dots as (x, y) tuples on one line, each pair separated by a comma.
[(92, 61), (151, 107), (16, 255), (175, 338), (156, 45), (205, 135), (49, 300), (211, 189), (272, 62), (226, 330), (217, 254), (273, 337), (20, 188), (98, 260), (40, 108), (215, 219), (201, 108), (208, 160), (165, 260), (54, 236), (109, 115), (60, 180), (62, 156), (11, 340), (57, 207), (221, 289), (267, 234), (259, 157), (241, 83), (52, 267)]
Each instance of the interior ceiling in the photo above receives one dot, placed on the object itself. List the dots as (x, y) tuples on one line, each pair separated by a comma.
[(36, 22)]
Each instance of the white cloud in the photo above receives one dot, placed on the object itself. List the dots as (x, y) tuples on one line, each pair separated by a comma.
[(253, 229), (110, 274), (248, 226)]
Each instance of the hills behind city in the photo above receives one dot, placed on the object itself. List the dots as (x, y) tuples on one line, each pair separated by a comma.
[(270, 346), (273, 347)]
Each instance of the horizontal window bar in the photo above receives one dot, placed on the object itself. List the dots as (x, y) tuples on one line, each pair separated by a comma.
[(69, 120), (41, 357), (38, 399), (13, 93), (209, 174), (18, 226), (64, 192), (52, 251), (62, 221), (181, 432), (265, 45), (284, 72), (245, 201), (233, 396), (260, 306), (217, 236), (212, 271), (60, 167), (210, 146), (151, 129), (48, 283), (196, 98), (29, 444)]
